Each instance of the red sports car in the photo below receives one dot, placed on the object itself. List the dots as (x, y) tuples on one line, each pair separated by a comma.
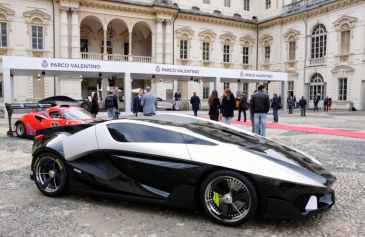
[(29, 124)]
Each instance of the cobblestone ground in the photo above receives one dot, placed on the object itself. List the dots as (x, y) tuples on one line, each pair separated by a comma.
[(25, 212)]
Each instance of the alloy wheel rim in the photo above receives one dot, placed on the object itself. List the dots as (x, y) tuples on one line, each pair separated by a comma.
[(20, 129), (48, 174), (227, 199)]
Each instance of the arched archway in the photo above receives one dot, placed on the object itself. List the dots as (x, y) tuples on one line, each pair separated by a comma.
[(142, 42), (91, 37), (317, 87), (117, 40)]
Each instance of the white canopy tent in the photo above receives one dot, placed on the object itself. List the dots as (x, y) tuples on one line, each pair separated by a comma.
[(29, 66)]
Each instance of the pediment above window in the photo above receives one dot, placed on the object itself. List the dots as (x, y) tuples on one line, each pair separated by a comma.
[(292, 34), (185, 32), (266, 40), (247, 41), (36, 15), (6, 12), (207, 35), (228, 37), (345, 21), (342, 70)]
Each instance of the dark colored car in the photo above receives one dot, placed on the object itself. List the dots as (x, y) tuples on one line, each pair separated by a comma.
[(65, 100), (183, 161)]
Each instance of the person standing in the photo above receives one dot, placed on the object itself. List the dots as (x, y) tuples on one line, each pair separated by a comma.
[(149, 102), (228, 106), (316, 101), (195, 102), (275, 105), (303, 105), (214, 106), (329, 105), (177, 97), (111, 105), (252, 118), (95, 104), (325, 104), (291, 104), (260, 107), (242, 108), (137, 107)]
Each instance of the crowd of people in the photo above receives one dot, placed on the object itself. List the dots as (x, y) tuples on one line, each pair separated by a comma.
[(145, 102)]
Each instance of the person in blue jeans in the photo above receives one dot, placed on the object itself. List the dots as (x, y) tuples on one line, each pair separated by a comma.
[(275, 105), (228, 106), (260, 106)]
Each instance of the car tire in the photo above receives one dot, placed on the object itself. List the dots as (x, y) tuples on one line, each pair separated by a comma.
[(228, 197), (50, 174), (20, 129)]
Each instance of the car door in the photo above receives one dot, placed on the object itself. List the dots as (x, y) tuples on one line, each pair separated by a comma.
[(153, 160)]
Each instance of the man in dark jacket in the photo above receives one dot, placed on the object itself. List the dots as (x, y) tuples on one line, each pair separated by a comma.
[(275, 105), (195, 102), (316, 101), (111, 105), (137, 107), (242, 107), (260, 107), (302, 105)]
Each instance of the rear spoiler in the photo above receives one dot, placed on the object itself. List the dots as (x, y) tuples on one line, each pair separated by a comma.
[(11, 107)]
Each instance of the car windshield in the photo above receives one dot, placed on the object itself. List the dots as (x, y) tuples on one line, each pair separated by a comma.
[(76, 114)]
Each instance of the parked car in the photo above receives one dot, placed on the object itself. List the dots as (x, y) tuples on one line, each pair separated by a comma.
[(163, 104), (63, 115), (183, 161), (65, 100)]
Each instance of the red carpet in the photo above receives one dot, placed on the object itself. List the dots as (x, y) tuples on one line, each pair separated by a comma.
[(333, 132)]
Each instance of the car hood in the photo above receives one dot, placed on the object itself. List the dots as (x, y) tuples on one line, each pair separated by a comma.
[(291, 158)]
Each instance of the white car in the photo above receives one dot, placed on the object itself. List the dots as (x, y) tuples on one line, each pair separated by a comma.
[(163, 104)]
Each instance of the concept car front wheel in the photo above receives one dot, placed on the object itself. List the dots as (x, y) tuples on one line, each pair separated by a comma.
[(228, 197), (50, 175)]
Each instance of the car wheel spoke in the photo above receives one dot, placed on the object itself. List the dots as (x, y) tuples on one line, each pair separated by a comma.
[(226, 209), (242, 196)]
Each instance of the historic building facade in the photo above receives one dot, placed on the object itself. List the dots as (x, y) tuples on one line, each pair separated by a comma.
[(319, 43)]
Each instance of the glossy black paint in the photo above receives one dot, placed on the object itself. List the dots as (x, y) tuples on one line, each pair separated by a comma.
[(151, 177)]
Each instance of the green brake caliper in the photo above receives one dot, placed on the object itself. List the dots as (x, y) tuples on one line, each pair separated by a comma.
[(216, 198)]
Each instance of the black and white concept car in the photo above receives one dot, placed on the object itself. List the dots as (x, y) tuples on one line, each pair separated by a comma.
[(182, 161)]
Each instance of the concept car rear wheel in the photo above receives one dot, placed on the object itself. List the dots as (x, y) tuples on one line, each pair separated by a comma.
[(228, 197), (50, 175), (20, 129)]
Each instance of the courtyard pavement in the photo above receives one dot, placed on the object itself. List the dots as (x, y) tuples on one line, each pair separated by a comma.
[(24, 211)]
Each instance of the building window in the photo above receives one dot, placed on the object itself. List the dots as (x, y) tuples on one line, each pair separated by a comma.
[(206, 51), (245, 55), (226, 85), (316, 87), (245, 88), (246, 5), (226, 53), (292, 49), (206, 1), (227, 3), (267, 54), (290, 88), (319, 42), (3, 35), (205, 90), (268, 4), (345, 42), (342, 89), (37, 37), (183, 49)]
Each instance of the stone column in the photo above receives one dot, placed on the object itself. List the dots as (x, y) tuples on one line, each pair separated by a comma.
[(218, 85), (75, 34), (168, 43), (127, 93), (104, 90), (284, 94), (105, 53), (153, 53), (64, 33), (130, 59), (159, 41)]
